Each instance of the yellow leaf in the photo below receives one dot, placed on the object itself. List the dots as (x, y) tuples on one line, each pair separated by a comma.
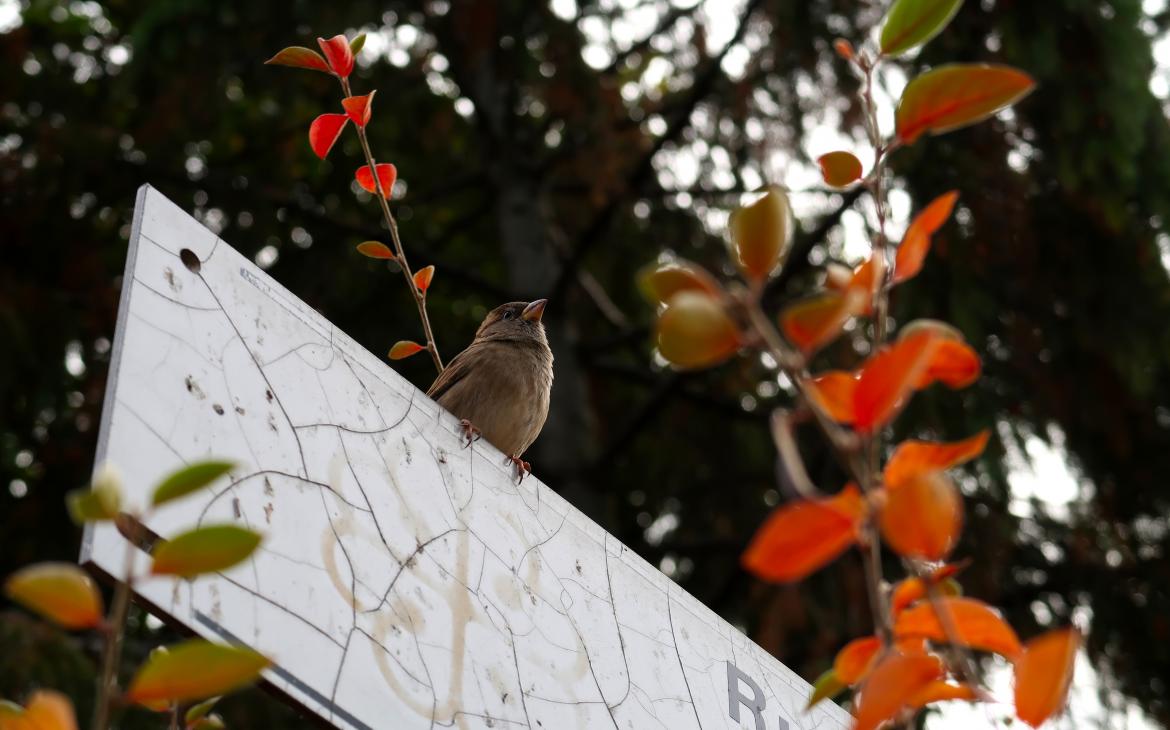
[(61, 592), (694, 331), (761, 233)]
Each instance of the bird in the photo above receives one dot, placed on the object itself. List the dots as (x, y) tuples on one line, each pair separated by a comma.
[(499, 387)]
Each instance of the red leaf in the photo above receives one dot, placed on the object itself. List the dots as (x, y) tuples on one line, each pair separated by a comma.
[(839, 168), (888, 378), (801, 537), (833, 393), (1044, 674), (338, 54), (299, 57), (976, 624), (387, 174), (854, 661), (923, 518), (422, 278), (894, 682), (324, 131), (375, 250), (912, 458), (405, 348), (955, 95), (359, 108), (916, 242)]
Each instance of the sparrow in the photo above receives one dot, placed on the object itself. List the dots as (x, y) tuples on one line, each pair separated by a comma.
[(499, 386)]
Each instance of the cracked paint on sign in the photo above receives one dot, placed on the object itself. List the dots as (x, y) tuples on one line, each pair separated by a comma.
[(404, 581)]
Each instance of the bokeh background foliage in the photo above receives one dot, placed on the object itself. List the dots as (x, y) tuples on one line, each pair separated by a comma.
[(552, 150)]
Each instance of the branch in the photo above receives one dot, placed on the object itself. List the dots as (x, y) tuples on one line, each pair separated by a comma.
[(645, 166)]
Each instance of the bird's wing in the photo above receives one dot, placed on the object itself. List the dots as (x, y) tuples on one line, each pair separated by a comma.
[(455, 371)]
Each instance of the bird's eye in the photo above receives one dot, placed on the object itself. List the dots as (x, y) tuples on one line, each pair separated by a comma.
[(507, 315)]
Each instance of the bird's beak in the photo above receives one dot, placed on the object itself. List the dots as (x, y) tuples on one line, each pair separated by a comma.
[(533, 311)]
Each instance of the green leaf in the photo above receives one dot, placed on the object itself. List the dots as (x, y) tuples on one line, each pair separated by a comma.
[(61, 592), (9, 710), (204, 550), (910, 23), (189, 479), (300, 57), (193, 670), (356, 45), (826, 687), (200, 711), (956, 95)]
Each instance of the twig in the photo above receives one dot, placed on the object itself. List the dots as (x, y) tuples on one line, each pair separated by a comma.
[(114, 631), (420, 298)]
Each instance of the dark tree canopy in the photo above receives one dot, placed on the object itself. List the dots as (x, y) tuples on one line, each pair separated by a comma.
[(553, 150)]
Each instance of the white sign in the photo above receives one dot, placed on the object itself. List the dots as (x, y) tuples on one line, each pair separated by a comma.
[(404, 581)]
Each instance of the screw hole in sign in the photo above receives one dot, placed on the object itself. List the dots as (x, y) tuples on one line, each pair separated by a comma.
[(190, 260)]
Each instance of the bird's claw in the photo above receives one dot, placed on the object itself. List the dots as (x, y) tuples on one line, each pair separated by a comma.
[(523, 468), (470, 432)]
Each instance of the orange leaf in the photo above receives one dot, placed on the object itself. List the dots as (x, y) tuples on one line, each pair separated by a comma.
[(839, 168), (660, 282), (976, 624), (694, 331), (45, 710), (888, 378), (324, 131), (422, 278), (866, 279), (801, 537), (1044, 674), (761, 233), (912, 458), (923, 518), (953, 363), (387, 174), (194, 669), (833, 393), (61, 592), (299, 57), (837, 276), (375, 250), (359, 108), (814, 322), (404, 349), (893, 683), (338, 54), (940, 691), (916, 242), (955, 95), (856, 658), (911, 590)]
